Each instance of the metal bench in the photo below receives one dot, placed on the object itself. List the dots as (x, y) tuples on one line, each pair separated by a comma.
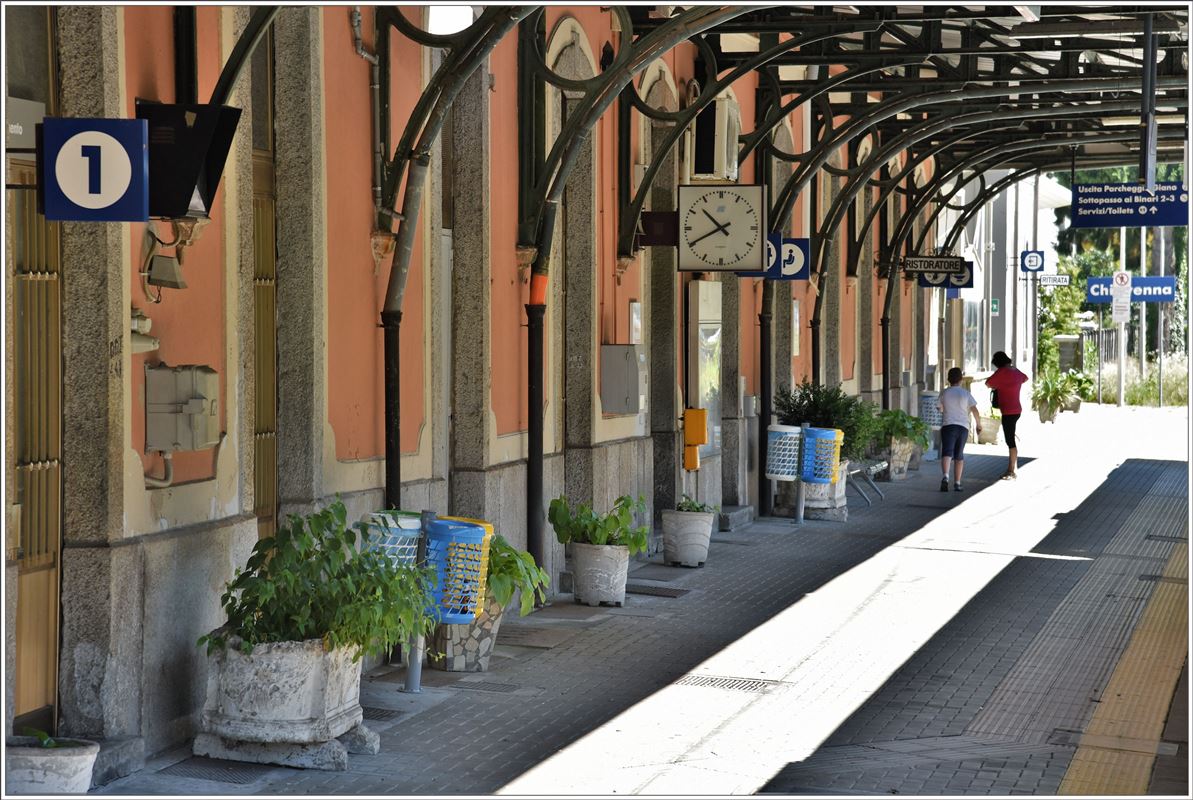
[(867, 470)]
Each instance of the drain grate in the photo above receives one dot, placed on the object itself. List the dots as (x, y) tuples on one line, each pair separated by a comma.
[(737, 542), (1160, 537), (376, 714), (217, 769), (657, 591), (487, 686), (756, 685)]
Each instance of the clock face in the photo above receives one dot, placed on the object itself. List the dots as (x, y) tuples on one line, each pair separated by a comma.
[(721, 228)]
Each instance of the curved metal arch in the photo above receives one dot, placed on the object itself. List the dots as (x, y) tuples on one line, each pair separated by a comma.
[(424, 37), (567, 145), (913, 136), (469, 49), (620, 58), (906, 101), (891, 186), (416, 155), (628, 225), (676, 117)]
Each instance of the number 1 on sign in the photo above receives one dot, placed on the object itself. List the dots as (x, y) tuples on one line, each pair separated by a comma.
[(92, 152)]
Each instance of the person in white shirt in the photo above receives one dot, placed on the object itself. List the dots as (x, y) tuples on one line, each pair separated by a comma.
[(956, 403)]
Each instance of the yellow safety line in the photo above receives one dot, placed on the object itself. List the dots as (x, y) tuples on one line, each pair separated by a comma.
[(1119, 746)]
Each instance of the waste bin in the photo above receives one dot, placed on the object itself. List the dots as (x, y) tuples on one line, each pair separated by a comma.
[(822, 454), (782, 452), (397, 534), (929, 411), (458, 552)]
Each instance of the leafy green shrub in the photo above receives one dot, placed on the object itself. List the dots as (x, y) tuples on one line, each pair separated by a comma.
[(510, 569), (319, 579), (1051, 391), (1082, 384), (895, 423), (688, 504), (829, 407), (586, 527)]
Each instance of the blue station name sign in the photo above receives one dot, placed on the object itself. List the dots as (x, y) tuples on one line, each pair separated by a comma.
[(1154, 289), (1115, 205)]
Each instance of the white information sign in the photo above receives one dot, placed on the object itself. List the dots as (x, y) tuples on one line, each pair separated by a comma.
[(1054, 280)]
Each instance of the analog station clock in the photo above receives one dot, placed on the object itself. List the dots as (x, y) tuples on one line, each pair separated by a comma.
[(722, 228)]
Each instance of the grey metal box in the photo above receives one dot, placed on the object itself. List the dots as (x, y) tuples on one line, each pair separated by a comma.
[(181, 407), (624, 379)]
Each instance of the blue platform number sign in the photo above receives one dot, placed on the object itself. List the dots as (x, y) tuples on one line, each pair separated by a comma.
[(95, 170), (1031, 260)]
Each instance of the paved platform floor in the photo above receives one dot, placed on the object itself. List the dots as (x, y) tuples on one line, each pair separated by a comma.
[(1025, 637)]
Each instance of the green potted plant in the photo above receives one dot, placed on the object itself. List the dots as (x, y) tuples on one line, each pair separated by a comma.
[(38, 763), (1083, 389), (991, 425), (901, 433), (601, 546), (285, 667), (1051, 392), (827, 407), (467, 647), (687, 531)]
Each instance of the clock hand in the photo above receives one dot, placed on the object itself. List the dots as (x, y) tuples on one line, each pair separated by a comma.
[(705, 236), (722, 228)]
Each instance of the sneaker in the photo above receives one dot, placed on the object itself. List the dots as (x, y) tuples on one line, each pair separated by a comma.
[(944, 484), (1010, 476), (957, 488)]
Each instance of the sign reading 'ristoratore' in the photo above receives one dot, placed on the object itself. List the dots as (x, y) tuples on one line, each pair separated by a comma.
[(1114, 205), (919, 265)]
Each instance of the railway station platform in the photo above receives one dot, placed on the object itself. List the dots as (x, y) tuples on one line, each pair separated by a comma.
[(1021, 637)]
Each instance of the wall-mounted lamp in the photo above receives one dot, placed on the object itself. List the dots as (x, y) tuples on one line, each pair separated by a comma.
[(165, 271)]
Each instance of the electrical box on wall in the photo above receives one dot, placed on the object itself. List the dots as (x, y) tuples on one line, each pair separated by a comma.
[(181, 407), (624, 378)]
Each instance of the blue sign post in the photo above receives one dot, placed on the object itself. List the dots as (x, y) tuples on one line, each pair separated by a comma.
[(786, 260), (1154, 289), (1031, 261), (1115, 205), (94, 170)]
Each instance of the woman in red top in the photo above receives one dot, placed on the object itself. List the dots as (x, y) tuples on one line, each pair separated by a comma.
[(1006, 381)]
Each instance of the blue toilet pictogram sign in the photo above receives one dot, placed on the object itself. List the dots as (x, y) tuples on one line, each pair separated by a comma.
[(94, 170)]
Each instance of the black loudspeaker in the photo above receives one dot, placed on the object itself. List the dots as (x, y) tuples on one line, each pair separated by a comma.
[(188, 145)]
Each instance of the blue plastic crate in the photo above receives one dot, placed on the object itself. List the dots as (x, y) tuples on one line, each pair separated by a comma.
[(822, 454), (458, 552), (782, 452)]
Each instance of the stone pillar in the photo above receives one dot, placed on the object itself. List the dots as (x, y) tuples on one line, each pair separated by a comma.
[(735, 452), (298, 131), (470, 302), (665, 320), (865, 309), (830, 287), (102, 581), (782, 341)]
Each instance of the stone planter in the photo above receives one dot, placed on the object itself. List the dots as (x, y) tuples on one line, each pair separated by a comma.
[(900, 457), (30, 768), (1074, 406), (686, 535), (466, 648), (600, 572), (917, 455), (989, 432), (1047, 414), (827, 500), (286, 703)]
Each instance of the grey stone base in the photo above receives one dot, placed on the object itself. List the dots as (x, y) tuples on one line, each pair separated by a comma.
[(734, 517), (118, 757), (839, 514), (332, 755)]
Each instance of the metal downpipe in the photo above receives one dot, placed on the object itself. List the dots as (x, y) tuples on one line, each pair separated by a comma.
[(534, 406), (391, 323), (765, 497)]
